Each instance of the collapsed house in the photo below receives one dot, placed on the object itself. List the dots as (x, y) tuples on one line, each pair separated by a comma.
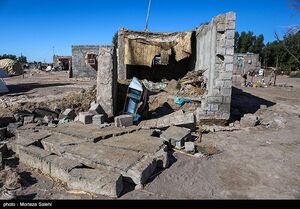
[(246, 62), (208, 49), (94, 156)]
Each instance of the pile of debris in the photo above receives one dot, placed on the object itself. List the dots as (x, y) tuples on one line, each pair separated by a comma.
[(12, 67)]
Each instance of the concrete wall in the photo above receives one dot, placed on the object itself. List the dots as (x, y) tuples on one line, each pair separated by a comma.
[(80, 67), (215, 50), (243, 63), (107, 80)]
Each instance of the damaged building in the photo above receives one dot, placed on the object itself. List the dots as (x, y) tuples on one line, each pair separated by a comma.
[(206, 52), (62, 62), (246, 62), (84, 61)]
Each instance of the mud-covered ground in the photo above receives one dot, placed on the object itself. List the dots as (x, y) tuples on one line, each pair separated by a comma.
[(258, 162)]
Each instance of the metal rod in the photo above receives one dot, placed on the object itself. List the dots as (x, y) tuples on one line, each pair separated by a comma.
[(148, 14)]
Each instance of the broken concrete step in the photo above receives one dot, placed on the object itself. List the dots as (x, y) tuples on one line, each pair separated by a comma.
[(29, 137), (32, 156), (126, 162), (58, 167), (56, 143), (98, 181)]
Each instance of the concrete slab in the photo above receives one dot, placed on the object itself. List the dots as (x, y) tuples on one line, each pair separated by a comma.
[(92, 132), (98, 181), (140, 141), (28, 137), (58, 167), (57, 142), (176, 135), (96, 155), (32, 156)]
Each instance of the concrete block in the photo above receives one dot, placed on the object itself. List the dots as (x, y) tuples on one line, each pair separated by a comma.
[(176, 134), (140, 172), (230, 25), (58, 167), (98, 181), (221, 50), (189, 147), (32, 156), (98, 119), (69, 113), (229, 43), (226, 92), (229, 67), (230, 51), (188, 121), (28, 119), (227, 84), (85, 117), (228, 59), (124, 121), (213, 107), (95, 109), (215, 99), (230, 34), (225, 75), (231, 16)]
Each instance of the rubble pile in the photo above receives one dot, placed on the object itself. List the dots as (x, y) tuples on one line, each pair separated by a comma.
[(12, 67)]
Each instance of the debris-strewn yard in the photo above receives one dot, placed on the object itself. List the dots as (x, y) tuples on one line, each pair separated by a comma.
[(255, 155)]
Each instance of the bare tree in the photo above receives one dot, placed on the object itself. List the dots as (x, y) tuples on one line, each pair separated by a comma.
[(286, 48)]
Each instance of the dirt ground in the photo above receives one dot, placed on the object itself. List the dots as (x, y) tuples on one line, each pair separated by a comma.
[(251, 163)]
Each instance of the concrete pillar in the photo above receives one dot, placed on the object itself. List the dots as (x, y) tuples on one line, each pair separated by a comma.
[(106, 80)]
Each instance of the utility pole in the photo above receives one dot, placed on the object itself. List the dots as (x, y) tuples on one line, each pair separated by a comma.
[(148, 14)]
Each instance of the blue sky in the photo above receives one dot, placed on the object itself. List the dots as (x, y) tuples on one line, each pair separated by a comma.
[(34, 27)]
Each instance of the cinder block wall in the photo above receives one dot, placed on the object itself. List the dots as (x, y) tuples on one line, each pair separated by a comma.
[(80, 67), (215, 50), (107, 80)]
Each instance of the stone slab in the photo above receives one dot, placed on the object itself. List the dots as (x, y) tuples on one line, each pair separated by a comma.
[(28, 137), (124, 121), (58, 167), (98, 181), (32, 156), (92, 132), (140, 141), (57, 142)]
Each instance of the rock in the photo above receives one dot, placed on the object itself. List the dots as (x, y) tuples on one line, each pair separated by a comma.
[(42, 112), (69, 113), (249, 120), (12, 129), (278, 122), (176, 136), (124, 121), (86, 117), (48, 119), (95, 109), (32, 156), (263, 107), (189, 147), (28, 119)]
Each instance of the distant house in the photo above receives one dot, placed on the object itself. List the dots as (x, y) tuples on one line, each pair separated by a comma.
[(244, 63), (84, 61)]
